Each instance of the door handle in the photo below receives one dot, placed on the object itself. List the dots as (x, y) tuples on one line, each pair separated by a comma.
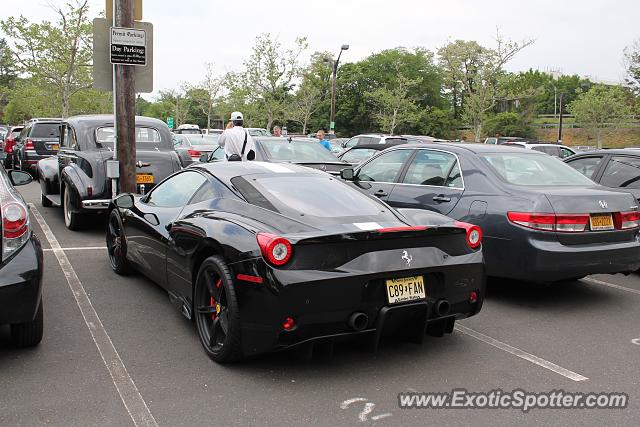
[(380, 193), (441, 198)]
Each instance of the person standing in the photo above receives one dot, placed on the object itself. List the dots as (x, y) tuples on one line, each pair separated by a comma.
[(321, 135), (238, 144), (277, 131)]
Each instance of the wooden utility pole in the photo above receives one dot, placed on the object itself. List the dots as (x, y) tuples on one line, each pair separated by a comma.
[(125, 105)]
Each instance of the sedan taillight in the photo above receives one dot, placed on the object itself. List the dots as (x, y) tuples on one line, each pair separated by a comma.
[(626, 220), (195, 154), (29, 145), (567, 223)]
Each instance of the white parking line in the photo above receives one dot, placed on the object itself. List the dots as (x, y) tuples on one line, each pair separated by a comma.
[(87, 248), (611, 285), (127, 389), (521, 354)]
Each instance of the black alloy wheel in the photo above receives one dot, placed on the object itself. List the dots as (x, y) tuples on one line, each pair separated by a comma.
[(216, 311), (117, 244)]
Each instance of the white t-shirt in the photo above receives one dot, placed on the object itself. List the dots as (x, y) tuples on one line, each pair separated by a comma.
[(233, 139)]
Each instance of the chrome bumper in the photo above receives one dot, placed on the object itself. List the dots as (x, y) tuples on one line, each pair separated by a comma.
[(96, 204)]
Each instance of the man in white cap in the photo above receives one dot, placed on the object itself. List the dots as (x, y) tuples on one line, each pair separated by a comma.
[(238, 144)]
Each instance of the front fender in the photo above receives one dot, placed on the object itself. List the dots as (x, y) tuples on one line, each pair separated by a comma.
[(47, 173)]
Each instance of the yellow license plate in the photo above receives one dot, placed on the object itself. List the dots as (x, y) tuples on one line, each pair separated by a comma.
[(405, 289), (144, 178), (601, 222), (55, 147)]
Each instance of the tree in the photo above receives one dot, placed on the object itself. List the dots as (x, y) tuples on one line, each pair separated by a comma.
[(478, 71), (313, 91), (632, 63), (600, 111), (206, 92), (394, 103), (508, 124), (55, 55), (268, 75)]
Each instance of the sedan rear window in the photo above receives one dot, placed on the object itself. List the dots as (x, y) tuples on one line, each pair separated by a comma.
[(144, 136), (314, 195), (531, 169)]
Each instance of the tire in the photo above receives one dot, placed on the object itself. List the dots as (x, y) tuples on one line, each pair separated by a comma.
[(44, 201), (29, 334), (117, 244), (216, 311), (72, 220)]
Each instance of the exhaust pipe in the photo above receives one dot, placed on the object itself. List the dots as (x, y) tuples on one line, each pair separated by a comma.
[(358, 321), (442, 307)]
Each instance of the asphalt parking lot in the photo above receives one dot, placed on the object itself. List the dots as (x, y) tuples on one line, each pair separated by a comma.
[(116, 352)]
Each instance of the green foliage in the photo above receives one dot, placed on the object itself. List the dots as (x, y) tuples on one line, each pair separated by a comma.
[(601, 110), (632, 63), (508, 124)]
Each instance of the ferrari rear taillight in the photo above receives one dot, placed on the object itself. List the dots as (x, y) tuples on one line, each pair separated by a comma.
[(275, 249), (195, 154), (626, 220), (15, 223), (29, 145), (474, 234)]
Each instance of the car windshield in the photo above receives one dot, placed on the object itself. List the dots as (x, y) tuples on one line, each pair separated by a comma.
[(203, 139), (281, 150), (358, 155), (317, 195), (145, 136), (531, 169), (46, 130)]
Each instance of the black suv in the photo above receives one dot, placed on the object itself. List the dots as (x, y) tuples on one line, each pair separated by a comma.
[(39, 139)]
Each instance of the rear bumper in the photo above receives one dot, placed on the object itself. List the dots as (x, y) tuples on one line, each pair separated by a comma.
[(31, 158), (550, 260), (21, 284), (96, 204), (322, 302)]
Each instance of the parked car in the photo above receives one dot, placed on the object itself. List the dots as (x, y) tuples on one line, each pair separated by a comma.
[(504, 140), (258, 132), (9, 143), (360, 153), (77, 178), (21, 264), (619, 168), (327, 135), (188, 129), (556, 150), (267, 257), (212, 131), (191, 147), (541, 220), (300, 151), (38, 139), (369, 139)]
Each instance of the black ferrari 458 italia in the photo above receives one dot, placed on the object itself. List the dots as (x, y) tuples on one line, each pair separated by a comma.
[(268, 256)]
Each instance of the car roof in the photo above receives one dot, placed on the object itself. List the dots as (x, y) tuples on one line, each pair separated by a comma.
[(225, 171), (630, 151), (108, 119), (476, 148), (378, 147)]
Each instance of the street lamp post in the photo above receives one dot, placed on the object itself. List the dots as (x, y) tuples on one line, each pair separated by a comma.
[(332, 122), (560, 124)]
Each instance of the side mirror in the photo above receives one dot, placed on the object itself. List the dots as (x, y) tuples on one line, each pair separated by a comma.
[(204, 158), (19, 177), (124, 201), (347, 174), (151, 219)]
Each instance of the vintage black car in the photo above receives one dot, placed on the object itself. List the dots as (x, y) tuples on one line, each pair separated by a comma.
[(267, 256), (77, 177), (20, 265), (542, 220)]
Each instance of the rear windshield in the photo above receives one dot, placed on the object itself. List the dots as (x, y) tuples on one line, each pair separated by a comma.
[(145, 136), (297, 151), (45, 130), (531, 169), (203, 139), (314, 195)]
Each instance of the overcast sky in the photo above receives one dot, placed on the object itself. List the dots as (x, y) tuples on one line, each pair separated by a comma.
[(584, 37)]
